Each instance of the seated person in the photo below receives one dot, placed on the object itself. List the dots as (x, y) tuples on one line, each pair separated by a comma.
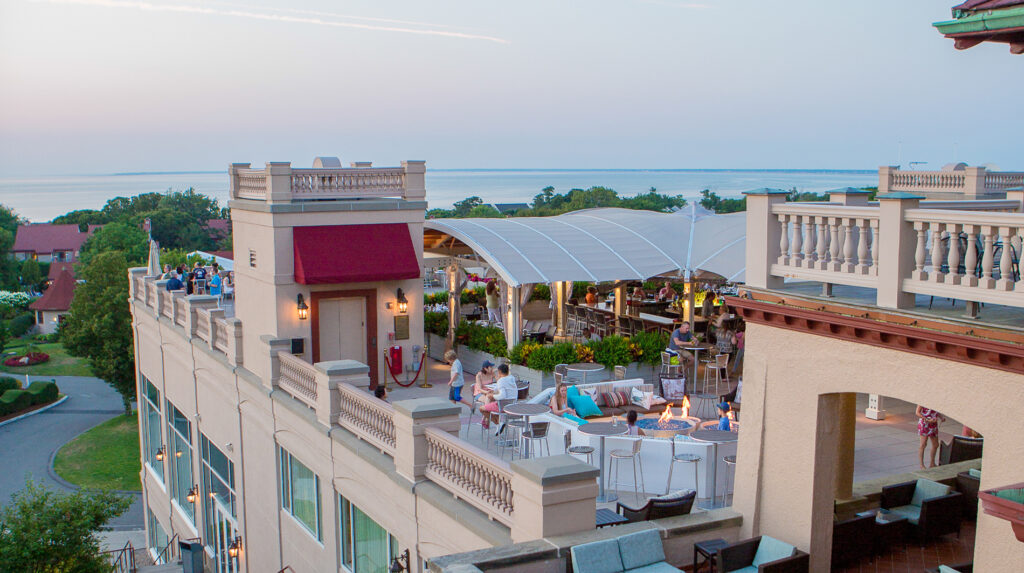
[(591, 296), (504, 389), (484, 378), (724, 423), (667, 292), (560, 401), (174, 283), (681, 337)]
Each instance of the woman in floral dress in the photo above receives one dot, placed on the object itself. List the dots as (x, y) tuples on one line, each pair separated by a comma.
[(928, 428)]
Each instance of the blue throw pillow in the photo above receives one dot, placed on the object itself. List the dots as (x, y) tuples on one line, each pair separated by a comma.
[(579, 421), (572, 391), (584, 406)]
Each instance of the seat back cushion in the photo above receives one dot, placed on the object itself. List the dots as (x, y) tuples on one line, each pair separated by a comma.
[(974, 473), (641, 548), (596, 557), (927, 489), (771, 549), (577, 419), (584, 406), (947, 569)]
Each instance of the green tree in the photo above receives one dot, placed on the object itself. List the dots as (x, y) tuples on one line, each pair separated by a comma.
[(5, 335), (30, 274), (44, 531), (484, 211), (83, 218), (711, 201), (462, 208), (99, 325), (130, 239)]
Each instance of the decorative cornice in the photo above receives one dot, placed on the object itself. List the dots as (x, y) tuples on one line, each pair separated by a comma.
[(947, 346)]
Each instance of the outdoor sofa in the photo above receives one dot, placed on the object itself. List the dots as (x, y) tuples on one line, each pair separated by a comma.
[(931, 508), (641, 552), (762, 555), (853, 539)]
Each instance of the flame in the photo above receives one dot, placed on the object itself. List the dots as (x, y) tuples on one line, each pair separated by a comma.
[(685, 413), (666, 416), (730, 415)]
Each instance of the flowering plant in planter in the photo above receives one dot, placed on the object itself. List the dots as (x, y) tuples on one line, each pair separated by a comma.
[(28, 359), (1006, 503)]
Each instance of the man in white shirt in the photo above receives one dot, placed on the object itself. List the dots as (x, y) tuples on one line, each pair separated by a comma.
[(504, 389)]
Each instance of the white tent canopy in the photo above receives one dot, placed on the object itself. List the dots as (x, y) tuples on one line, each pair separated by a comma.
[(597, 245), (223, 263)]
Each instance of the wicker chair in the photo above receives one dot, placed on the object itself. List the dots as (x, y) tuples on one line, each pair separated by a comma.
[(658, 507)]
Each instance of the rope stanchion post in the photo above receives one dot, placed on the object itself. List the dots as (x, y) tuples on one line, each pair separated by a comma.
[(424, 384)]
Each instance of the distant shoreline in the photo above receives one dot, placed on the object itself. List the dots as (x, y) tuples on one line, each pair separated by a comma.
[(538, 170)]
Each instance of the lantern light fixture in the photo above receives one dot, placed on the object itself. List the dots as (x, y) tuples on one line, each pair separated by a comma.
[(397, 565), (403, 303), (300, 305), (192, 494), (159, 455), (235, 548)]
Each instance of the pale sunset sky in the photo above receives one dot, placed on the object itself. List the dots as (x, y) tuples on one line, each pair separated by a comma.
[(101, 86)]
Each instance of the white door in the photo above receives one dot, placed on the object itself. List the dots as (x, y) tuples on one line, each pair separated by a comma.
[(343, 329), (224, 532)]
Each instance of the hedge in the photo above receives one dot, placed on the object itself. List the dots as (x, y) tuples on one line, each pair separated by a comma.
[(436, 323), (8, 383), (21, 324), (43, 392), (14, 401)]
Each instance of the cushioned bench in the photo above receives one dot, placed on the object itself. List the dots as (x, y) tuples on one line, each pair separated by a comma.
[(639, 552)]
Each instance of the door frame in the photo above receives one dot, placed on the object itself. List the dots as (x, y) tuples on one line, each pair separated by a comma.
[(220, 512), (369, 297)]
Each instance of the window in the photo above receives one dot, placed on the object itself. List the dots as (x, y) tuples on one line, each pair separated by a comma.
[(179, 438), (218, 484), (151, 427), (157, 536), (300, 492), (365, 546)]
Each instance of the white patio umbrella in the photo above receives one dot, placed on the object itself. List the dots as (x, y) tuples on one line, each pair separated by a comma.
[(153, 268)]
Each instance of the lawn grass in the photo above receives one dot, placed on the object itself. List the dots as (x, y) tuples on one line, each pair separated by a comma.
[(60, 363), (106, 456)]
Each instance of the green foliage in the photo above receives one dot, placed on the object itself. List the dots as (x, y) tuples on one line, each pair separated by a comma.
[(521, 352), (129, 239), (484, 212), (21, 324), (14, 401), (175, 257), (650, 345), (43, 392), (473, 296), (8, 383), (30, 274), (546, 357), (99, 325), (548, 203), (440, 297), (436, 323), (5, 337), (83, 218), (711, 201), (490, 339), (541, 292), (611, 351), (45, 531)]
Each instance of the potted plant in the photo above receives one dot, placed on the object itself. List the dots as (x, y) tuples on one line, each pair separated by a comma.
[(1006, 503)]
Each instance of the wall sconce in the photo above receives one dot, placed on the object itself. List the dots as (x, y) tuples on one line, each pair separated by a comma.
[(235, 548), (159, 455), (300, 305), (192, 494), (403, 303), (177, 453), (396, 563)]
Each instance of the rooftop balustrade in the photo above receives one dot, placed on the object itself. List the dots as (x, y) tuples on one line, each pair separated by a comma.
[(970, 182), (282, 183)]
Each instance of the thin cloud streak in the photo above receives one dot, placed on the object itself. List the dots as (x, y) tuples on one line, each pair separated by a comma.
[(334, 15), (150, 7)]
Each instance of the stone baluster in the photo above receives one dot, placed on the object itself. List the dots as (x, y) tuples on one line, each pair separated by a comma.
[(953, 257), (988, 257), (864, 230), (848, 244), (809, 246), (936, 275), (1005, 281), (834, 264), (784, 240), (919, 252), (798, 235), (970, 277), (822, 242), (874, 246)]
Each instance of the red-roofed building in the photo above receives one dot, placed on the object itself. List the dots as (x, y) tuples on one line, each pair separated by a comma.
[(57, 268), (47, 242), (219, 228), (55, 302)]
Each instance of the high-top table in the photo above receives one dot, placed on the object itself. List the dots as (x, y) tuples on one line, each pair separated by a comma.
[(603, 430), (526, 410), (695, 349), (714, 437)]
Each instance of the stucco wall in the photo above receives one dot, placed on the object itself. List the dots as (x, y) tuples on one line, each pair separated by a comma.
[(786, 465)]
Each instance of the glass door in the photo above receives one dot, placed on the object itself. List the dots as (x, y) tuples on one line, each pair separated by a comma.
[(225, 531)]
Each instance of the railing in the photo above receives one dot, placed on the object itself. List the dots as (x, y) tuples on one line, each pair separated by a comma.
[(167, 304), (312, 184), (367, 417), (1004, 205), (839, 241), (968, 181), (252, 184), (298, 378), (122, 560), (203, 324), (180, 312), (470, 474), (1003, 180), (951, 181), (220, 338)]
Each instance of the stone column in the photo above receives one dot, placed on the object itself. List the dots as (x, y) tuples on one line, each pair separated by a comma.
[(279, 182), (274, 345), (161, 288), (896, 249), (1016, 194), (974, 183), (513, 315), (233, 170), (415, 180), (234, 341), (847, 433), (885, 178), (330, 375), (193, 303), (411, 418), (763, 235), (553, 496), (620, 301), (876, 407), (849, 196), (558, 297)]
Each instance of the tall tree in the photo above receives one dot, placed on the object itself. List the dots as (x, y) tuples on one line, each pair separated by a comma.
[(99, 325), (125, 237), (46, 532), (30, 274)]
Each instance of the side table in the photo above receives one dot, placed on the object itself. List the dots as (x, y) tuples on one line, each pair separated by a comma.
[(707, 549)]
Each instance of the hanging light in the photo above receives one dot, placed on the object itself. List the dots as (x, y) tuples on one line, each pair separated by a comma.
[(235, 548), (192, 494), (302, 308), (396, 563), (403, 303), (159, 455)]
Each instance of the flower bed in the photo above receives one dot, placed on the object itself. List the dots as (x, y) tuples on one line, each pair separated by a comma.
[(30, 359)]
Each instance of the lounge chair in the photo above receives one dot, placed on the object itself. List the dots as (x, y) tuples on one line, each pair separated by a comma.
[(968, 483), (852, 540), (659, 507), (932, 508), (762, 555)]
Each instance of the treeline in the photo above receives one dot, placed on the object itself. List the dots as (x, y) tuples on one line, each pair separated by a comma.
[(547, 203)]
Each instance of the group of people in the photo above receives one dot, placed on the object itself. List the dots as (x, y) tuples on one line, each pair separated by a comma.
[(493, 383), (196, 280)]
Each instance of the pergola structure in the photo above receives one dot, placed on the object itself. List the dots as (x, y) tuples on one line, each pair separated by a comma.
[(592, 245)]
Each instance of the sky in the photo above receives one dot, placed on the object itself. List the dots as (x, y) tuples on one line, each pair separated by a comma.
[(106, 86)]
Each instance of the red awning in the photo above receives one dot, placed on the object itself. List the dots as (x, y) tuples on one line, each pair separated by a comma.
[(354, 253)]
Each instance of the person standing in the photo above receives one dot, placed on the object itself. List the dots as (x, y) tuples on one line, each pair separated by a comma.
[(591, 298), (455, 379), (493, 306), (740, 337), (928, 429)]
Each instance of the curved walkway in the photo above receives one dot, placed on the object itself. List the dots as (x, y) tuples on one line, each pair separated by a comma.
[(28, 445)]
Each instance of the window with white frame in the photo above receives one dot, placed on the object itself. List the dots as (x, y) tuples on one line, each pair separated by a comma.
[(157, 537), (179, 440), (151, 427), (218, 484), (300, 492), (366, 547)]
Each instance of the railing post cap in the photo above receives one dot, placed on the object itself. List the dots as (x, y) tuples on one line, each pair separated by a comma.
[(898, 195), (554, 469), (426, 408), (415, 166), (342, 367), (848, 191), (201, 298), (142, 270), (240, 166), (766, 191), (273, 342)]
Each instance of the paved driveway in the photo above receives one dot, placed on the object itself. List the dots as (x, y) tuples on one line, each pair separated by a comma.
[(27, 445)]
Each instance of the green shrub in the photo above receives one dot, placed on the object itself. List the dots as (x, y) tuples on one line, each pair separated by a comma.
[(489, 339), (475, 295), (21, 324), (650, 345), (520, 353), (546, 357), (611, 351), (8, 383), (436, 323), (541, 292), (43, 392), (440, 297), (14, 401)]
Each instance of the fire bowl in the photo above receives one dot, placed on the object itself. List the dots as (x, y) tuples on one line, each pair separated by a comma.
[(656, 428)]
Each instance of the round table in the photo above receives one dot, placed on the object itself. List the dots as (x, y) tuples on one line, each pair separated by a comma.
[(585, 368), (526, 410), (603, 430), (714, 437), (695, 349)]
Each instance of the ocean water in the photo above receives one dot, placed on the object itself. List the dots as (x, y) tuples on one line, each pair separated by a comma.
[(42, 198)]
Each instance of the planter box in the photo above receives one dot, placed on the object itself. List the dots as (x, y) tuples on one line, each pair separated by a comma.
[(538, 380), (1005, 509), (435, 346)]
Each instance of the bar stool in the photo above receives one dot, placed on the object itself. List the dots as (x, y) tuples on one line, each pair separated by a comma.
[(719, 363), (730, 471), (578, 450), (668, 369), (538, 432), (502, 418), (632, 455), (682, 459)]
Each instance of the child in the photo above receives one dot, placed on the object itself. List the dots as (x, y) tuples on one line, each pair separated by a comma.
[(723, 417), (381, 393), (631, 429), (455, 380)]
